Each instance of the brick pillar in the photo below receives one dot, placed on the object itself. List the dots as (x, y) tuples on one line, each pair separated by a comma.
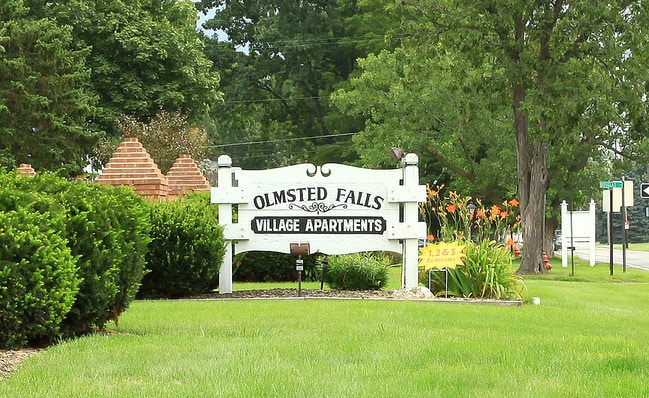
[(185, 177), (26, 169), (132, 165)]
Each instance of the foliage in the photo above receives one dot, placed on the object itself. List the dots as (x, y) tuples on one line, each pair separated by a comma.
[(487, 274), (166, 136), (144, 54), (38, 278), (186, 250), (106, 230), (272, 267), (449, 218), (44, 94), (358, 271), (433, 103), (571, 72), (279, 65)]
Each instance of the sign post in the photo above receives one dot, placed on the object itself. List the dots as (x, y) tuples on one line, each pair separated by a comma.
[(609, 185)]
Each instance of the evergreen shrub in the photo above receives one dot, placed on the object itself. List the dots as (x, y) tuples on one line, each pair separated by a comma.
[(38, 278), (358, 271), (186, 250), (106, 230), (260, 266)]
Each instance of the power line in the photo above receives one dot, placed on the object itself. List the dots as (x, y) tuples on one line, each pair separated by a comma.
[(275, 99), (280, 140)]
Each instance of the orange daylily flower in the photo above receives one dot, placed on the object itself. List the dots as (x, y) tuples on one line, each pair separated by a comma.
[(504, 214), (479, 213), (513, 202), (430, 238), (450, 208), (495, 210), (510, 242)]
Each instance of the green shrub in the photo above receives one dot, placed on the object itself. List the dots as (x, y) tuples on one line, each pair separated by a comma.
[(38, 279), (358, 271), (259, 266), (487, 273), (107, 231), (186, 250)]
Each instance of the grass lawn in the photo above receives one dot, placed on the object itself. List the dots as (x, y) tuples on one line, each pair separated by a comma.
[(588, 338), (643, 247)]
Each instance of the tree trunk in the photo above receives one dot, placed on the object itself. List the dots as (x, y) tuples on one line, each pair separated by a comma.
[(551, 225), (533, 214)]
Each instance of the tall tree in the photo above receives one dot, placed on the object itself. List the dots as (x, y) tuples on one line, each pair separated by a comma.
[(414, 98), (277, 89), (144, 54), (573, 71), (44, 96)]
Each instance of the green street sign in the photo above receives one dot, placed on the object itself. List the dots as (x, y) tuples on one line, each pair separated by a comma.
[(610, 184)]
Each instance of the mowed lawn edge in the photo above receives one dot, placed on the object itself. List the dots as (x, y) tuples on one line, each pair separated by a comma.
[(587, 338)]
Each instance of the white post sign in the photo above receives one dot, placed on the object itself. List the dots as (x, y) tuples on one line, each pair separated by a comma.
[(336, 209), (577, 227)]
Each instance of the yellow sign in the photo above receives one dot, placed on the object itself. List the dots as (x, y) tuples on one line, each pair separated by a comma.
[(441, 255)]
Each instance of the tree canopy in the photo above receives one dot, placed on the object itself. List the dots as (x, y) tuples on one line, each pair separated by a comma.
[(277, 90), (44, 94), (570, 73), (144, 54)]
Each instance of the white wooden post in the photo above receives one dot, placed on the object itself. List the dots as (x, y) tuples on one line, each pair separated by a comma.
[(410, 260), (565, 230), (224, 175), (578, 226), (593, 235)]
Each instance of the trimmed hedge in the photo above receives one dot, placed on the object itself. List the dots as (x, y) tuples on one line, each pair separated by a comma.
[(38, 278), (186, 250), (106, 230)]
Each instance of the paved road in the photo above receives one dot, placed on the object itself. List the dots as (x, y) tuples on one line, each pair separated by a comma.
[(634, 259)]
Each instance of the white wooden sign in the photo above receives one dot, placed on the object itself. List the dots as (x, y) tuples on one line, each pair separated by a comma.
[(335, 208)]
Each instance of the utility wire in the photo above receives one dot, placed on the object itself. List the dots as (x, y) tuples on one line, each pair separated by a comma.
[(279, 140)]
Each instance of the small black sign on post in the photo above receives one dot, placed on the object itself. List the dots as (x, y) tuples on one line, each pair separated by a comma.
[(644, 190), (299, 266)]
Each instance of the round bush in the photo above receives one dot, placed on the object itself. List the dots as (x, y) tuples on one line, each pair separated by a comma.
[(358, 271), (108, 229), (38, 280), (107, 232), (186, 250)]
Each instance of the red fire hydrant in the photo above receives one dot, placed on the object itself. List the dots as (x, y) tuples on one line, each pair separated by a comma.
[(546, 261)]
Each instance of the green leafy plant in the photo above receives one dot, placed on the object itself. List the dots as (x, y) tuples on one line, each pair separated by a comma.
[(106, 229), (358, 271), (186, 250), (450, 217), (38, 278), (487, 273)]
